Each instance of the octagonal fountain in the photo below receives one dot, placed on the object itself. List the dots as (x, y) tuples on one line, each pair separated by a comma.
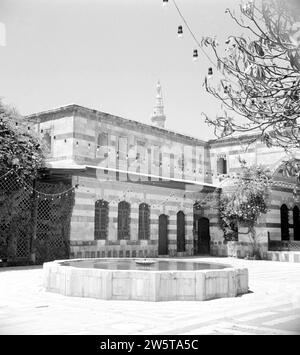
[(144, 279)]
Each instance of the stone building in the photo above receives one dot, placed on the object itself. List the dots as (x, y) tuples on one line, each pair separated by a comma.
[(144, 190), (280, 226)]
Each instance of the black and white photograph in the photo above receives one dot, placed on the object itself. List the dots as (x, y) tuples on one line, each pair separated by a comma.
[(149, 170)]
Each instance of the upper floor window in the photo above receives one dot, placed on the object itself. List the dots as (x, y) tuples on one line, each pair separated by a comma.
[(180, 162), (102, 140), (101, 219), (155, 155), (222, 165), (47, 142), (141, 151), (122, 148), (102, 144), (144, 221)]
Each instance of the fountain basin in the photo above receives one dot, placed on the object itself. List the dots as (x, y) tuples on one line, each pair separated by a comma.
[(187, 282)]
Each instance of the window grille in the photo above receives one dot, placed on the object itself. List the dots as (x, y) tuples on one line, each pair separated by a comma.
[(222, 166), (124, 220), (101, 219), (144, 221)]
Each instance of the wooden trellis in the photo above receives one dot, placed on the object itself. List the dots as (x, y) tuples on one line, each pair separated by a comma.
[(53, 223), (34, 227)]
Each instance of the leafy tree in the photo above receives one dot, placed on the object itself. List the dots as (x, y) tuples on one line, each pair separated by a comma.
[(260, 73), (20, 153), (259, 82), (246, 203), (20, 149)]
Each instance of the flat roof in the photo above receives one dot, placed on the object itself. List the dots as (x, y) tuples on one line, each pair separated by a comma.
[(77, 108), (134, 124)]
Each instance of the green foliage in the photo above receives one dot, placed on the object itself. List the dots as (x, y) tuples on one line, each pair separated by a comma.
[(20, 149)]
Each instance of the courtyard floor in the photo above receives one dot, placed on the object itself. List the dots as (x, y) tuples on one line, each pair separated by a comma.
[(271, 307)]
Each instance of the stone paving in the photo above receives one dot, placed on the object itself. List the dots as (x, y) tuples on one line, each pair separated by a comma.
[(271, 307)]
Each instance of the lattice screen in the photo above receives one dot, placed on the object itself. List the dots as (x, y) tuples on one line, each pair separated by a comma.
[(284, 245), (53, 223), (15, 219), (18, 221)]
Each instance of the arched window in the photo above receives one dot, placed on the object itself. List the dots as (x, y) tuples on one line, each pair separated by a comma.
[(101, 219), (124, 220), (284, 218), (296, 221), (222, 166), (180, 231), (144, 221)]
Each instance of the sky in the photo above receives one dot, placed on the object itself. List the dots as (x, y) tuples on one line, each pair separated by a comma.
[(108, 55)]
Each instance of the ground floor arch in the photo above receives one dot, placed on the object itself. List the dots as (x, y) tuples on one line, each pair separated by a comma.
[(163, 234), (284, 222), (180, 231), (203, 236)]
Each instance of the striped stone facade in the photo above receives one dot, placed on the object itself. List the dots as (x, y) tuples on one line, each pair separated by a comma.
[(114, 159), (162, 200), (282, 193)]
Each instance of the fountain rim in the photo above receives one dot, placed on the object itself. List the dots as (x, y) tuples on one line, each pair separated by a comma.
[(145, 285), (227, 267)]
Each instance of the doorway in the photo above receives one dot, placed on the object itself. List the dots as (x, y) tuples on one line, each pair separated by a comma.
[(163, 235), (203, 236)]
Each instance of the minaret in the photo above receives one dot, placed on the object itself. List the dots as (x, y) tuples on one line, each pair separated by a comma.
[(158, 118)]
